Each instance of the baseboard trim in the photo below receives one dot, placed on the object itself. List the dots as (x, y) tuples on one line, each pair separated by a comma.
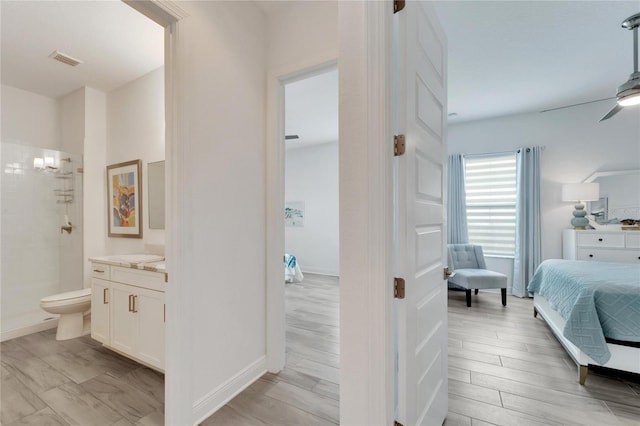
[(326, 274), (218, 397), (30, 329)]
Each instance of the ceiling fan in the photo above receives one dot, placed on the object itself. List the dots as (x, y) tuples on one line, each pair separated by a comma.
[(629, 92)]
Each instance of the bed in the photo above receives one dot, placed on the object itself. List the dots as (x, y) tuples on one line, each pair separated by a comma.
[(593, 308)]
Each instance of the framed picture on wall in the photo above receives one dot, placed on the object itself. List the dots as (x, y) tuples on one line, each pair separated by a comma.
[(294, 213), (124, 199)]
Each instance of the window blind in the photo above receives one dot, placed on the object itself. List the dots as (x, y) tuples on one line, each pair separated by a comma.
[(490, 184)]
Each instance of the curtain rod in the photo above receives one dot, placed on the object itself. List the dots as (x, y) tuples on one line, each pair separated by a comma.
[(492, 154)]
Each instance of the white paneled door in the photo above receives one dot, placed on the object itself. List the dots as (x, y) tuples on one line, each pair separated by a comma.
[(420, 98)]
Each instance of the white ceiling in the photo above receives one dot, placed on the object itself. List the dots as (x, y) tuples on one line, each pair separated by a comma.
[(524, 56), (504, 57), (116, 43)]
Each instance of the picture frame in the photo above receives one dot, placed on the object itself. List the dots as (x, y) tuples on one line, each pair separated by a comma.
[(124, 199), (294, 214)]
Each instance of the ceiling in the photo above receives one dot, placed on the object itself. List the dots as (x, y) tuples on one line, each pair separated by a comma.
[(504, 57), (116, 44), (525, 56)]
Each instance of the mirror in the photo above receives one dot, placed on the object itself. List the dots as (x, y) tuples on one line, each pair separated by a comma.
[(619, 196), (155, 179)]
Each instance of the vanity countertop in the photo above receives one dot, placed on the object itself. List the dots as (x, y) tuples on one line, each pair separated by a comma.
[(148, 262)]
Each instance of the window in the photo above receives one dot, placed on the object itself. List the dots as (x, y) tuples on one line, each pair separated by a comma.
[(490, 184)]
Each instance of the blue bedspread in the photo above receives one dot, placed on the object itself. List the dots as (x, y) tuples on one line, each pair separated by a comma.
[(596, 299)]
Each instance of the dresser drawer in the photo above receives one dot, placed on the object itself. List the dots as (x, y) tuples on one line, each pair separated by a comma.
[(138, 277), (633, 240), (616, 240), (100, 270), (624, 256)]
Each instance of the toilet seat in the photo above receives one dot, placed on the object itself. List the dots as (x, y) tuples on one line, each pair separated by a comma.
[(67, 298)]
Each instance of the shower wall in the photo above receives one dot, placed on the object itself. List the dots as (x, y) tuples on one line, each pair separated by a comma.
[(37, 259)]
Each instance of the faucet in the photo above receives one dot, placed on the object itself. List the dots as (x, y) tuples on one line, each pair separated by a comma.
[(66, 227)]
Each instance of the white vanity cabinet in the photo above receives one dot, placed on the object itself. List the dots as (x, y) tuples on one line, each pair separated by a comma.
[(128, 312), (603, 246)]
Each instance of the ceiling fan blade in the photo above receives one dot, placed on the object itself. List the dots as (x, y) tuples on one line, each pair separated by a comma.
[(616, 109)]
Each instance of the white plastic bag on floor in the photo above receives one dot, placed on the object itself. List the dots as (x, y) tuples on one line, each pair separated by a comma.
[(292, 272)]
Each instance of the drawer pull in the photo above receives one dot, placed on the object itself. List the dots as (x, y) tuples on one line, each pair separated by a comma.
[(600, 239), (100, 271), (590, 255), (130, 303), (104, 296), (134, 309)]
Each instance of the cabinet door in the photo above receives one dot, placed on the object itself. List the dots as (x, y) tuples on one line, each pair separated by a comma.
[(100, 298), (150, 330), (123, 319)]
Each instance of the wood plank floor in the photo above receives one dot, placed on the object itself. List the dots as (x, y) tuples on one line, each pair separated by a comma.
[(306, 391), (505, 368)]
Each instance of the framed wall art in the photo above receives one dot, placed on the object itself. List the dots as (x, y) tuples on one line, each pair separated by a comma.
[(294, 214), (124, 199)]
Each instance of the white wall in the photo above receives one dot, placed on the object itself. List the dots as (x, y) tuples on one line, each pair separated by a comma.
[(135, 130), (72, 116), (313, 48), (216, 256), (300, 33), (95, 181), (576, 146), (30, 119), (311, 175)]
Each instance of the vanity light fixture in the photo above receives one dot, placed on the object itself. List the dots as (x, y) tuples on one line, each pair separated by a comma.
[(580, 192)]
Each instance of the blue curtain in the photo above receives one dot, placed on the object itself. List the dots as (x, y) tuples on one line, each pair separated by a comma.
[(528, 252), (458, 232)]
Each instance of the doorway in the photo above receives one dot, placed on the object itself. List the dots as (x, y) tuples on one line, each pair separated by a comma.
[(311, 240)]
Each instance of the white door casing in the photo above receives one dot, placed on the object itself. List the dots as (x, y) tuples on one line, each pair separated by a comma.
[(421, 202)]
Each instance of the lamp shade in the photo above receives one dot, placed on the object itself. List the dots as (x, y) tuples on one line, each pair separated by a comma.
[(580, 191)]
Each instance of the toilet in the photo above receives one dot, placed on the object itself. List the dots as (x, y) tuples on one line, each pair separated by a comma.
[(71, 307)]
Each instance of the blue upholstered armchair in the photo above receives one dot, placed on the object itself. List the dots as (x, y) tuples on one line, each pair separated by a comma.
[(470, 271)]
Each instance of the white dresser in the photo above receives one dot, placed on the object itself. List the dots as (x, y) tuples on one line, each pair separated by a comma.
[(604, 246)]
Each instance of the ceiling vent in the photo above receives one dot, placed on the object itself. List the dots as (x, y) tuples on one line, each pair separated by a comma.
[(64, 58)]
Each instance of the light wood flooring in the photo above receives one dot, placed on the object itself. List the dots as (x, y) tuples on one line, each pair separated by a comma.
[(505, 368), (306, 391)]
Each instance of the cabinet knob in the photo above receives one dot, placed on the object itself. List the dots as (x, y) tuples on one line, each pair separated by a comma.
[(590, 255), (599, 239)]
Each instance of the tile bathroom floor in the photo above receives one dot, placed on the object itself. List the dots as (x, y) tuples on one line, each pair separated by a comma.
[(75, 382)]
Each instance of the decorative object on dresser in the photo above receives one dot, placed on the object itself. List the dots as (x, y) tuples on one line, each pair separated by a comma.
[(580, 192), (619, 203), (603, 246)]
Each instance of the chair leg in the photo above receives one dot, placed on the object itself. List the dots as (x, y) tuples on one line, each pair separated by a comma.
[(504, 296), (476, 291), (468, 298)]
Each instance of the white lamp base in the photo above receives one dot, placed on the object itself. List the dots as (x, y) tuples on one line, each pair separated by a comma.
[(579, 220)]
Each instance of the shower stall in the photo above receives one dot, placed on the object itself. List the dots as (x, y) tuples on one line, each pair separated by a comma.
[(41, 234)]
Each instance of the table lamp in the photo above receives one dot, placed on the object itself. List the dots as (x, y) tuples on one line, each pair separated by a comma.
[(580, 192)]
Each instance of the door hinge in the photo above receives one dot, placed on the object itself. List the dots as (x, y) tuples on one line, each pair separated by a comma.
[(397, 423), (398, 145), (398, 5), (398, 288)]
